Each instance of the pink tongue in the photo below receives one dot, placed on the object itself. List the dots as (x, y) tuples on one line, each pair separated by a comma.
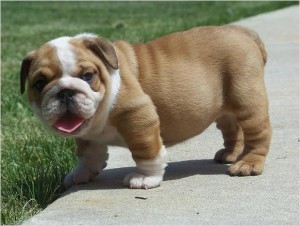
[(69, 123)]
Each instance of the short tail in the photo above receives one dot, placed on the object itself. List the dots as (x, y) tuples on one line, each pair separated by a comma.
[(255, 37)]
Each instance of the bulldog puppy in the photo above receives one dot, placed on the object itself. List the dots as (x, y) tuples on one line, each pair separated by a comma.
[(143, 96)]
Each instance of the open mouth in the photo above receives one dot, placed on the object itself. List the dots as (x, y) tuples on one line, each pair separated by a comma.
[(69, 122)]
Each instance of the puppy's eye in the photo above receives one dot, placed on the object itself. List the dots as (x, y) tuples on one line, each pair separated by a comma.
[(40, 84), (87, 76)]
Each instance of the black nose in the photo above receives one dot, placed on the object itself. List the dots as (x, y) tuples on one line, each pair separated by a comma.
[(66, 95)]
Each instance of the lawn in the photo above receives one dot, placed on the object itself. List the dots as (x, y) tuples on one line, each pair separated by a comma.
[(34, 162)]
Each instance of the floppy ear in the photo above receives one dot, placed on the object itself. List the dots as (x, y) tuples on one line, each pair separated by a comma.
[(25, 70), (103, 49)]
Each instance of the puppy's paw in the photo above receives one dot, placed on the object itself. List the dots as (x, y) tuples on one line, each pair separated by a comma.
[(247, 166), (139, 181), (78, 176), (225, 156)]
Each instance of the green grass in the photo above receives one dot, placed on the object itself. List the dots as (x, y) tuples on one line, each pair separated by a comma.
[(33, 162)]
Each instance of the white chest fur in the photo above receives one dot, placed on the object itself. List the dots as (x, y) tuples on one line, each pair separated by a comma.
[(109, 136)]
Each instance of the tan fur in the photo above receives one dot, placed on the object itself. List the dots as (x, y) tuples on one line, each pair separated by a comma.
[(192, 79), (43, 63)]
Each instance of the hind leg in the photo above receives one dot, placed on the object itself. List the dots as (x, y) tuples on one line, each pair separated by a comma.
[(250, 106), (233, 139), (257, 140)]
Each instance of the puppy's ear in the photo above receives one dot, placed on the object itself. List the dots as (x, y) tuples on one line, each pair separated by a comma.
[(25, 70), (103, 49)]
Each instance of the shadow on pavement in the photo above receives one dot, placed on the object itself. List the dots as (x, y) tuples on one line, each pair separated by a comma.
[(113, 178)]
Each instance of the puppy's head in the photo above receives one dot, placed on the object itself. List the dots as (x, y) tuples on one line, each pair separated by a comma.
[(69, 79)]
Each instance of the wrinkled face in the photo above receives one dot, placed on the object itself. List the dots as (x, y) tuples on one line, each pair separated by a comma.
[(68, 79)]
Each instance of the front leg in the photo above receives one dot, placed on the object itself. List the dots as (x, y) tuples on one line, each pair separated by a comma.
[(91, 158), (138, 123), (149, 172)]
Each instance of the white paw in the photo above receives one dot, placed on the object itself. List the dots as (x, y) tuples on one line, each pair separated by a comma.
[(135, 180), (78, 176)]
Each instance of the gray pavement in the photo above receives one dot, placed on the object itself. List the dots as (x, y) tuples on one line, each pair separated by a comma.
[(196, 190)]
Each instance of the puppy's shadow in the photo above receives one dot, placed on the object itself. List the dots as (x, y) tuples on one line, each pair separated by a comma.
[(113, 178), (183, 169)]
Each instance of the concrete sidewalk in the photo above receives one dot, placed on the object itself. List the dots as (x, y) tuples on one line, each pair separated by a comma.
[(196, 190)]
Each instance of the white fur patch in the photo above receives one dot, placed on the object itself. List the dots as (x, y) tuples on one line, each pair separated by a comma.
[(115, 86), (65, 54), (150, 172)]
